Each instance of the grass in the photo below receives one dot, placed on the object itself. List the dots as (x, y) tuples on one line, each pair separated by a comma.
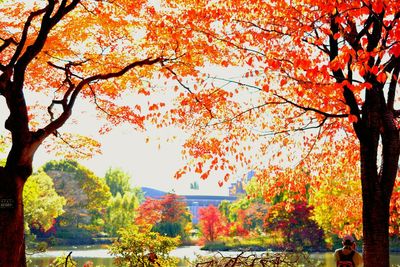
[(255, 243)]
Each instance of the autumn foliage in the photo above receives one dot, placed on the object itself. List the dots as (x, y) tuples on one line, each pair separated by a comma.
[(168, 215), (295, 223), (252, 82), (319, 76), (212, 224)]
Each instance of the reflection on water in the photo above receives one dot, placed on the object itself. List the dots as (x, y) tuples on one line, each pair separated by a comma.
[(100, 257)]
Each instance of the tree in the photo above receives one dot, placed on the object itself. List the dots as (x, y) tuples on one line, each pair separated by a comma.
[(174, 208), (149, 212), (121, 211), (118, 181), (139, 246), (168, 215), (99, 51), (212, 224), (175, 217), (41, 201), (38, 44), (344, 216), (330, 68), (258, 207), (298, 229), (87, 195), (334, 192)]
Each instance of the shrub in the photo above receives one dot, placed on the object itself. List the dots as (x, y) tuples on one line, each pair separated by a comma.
[(138, 246)]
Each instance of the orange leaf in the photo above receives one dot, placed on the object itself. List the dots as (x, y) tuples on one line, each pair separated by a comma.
[(352, 118), (368, 86), (381, 77)]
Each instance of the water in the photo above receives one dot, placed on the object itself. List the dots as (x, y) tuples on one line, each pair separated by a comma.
[(100, 257)]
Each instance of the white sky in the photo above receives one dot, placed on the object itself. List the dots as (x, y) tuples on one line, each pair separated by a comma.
[(148, 164)]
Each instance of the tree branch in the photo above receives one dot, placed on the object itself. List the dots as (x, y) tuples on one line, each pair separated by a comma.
[(6, 43), (190, 91), (325, 114), (24, 35), (74, 91), (233, 118)]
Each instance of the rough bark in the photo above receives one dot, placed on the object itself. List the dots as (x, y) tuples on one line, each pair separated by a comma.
[(377, 130), (12, 243), (376, 203)]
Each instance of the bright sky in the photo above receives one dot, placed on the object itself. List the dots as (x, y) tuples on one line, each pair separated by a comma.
[(151, 164)]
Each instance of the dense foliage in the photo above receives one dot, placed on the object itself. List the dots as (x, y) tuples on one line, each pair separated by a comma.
[(120, 212), (87, 195), (122, 206), (169, 215), (299, 231), (118, 181), (139, 246), (42, 203), (211, 223), (314, 77)]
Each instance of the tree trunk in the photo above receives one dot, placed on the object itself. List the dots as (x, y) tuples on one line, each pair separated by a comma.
[(12, 242), (376, 234), (377, 187), (375, 223)]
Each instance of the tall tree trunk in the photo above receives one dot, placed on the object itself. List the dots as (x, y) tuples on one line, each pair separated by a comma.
[(376, 234), (375, 223), (12, 242), (377, 187)]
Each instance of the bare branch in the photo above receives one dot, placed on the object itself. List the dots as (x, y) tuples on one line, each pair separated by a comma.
[(308, 126), (262, 28), (314, 142), (240, 47), (47, 24), (325, 114), (238, 83)]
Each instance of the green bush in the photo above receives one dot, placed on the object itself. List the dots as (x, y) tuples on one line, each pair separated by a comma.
[(139, 246), (216, 246), (64, 260), (73, 233)]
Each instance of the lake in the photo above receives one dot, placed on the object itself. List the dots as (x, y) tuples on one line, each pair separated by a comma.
[(100, 257)]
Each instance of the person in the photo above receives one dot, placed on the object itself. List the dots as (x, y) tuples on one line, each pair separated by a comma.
[(347, 256)]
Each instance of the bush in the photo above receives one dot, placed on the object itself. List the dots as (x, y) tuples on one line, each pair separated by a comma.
[(215, 246), (64, 260), (138, 246)]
